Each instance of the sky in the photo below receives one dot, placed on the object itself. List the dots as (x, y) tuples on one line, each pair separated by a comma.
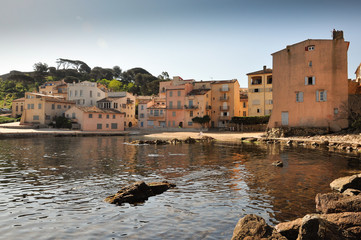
[(194, 39)]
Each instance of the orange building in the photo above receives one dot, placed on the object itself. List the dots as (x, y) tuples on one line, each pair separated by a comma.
[(197, 104), (17, 107), (243, 98), (310, 84)]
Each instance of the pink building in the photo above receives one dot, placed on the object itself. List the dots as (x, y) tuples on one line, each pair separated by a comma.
[(96, 119)]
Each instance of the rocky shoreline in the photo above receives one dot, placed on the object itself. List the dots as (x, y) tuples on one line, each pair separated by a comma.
[(338, 217)]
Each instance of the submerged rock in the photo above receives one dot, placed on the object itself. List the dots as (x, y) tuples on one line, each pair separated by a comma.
[(254, 227), (278, 163), (190, 140), (138, 192)]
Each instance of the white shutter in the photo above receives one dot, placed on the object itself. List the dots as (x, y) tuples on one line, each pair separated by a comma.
[(317, 97), (306, 80), (300, 96), (313, 80), (325, 95)]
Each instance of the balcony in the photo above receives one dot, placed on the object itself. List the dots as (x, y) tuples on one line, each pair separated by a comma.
[(130, 101), (224, 98), (224, 108), (175, 107), (190, 107), (224, 89), (155, 116)]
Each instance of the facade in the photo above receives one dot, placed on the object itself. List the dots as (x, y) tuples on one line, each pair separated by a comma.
[(123, 102), (197, 104), (17, 107), (243, 98), (85, 93), (260, 100), (156, 113), (142, 113), (41, 109), (225, 102), (96, 119), (310, 84)]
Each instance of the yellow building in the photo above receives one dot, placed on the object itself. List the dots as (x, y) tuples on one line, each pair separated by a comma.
[(243, 98), (260, 100), (40, 109), (17, 107), (197, 104)]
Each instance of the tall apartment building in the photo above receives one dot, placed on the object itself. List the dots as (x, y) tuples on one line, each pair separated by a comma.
[(310, 83), (57, 88), (260, 100), (243, 98)]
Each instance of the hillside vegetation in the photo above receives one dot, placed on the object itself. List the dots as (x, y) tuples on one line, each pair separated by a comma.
[(138, 81)]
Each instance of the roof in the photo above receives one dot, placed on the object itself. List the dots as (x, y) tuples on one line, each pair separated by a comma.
[(19, 100), (218, 81), (94, 109), (144, 101), (263, 71), (108, 99), (157, 106), (198, 91)]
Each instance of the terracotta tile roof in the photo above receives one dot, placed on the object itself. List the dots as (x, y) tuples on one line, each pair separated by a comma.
[(19, 100), (198, 92), (218, 81), (263, 71), (94, 109)]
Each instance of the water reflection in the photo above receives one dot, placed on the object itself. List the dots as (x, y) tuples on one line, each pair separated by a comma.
[(53, 187)]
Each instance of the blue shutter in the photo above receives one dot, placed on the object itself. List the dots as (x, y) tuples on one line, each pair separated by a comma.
[(317, 97), (301, 96), (325, 95), (313, 80), (306, 80)]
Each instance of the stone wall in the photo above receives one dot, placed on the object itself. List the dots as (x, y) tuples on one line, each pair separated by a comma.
[(299, 131)]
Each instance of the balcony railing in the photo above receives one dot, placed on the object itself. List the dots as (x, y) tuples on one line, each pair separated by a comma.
[(190, 106), (156, 116), (224, 108), (224, 98), (175, 107), (224, 89)]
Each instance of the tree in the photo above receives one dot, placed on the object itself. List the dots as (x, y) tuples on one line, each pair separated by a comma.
[(117, 71), (41, 71), (115, 85), (202, 120)]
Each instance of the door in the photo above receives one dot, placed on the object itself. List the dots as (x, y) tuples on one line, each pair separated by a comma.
[(284, 118)]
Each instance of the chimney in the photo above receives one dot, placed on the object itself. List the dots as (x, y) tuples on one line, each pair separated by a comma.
[(264, 68), (336, 34)]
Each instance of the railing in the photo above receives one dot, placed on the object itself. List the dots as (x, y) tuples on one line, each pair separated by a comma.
[(156, 116), (175, 107), (190, 106), (224, 98), (224, 108)]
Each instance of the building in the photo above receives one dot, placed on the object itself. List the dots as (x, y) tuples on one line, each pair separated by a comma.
[(123, 102), (41, 109), (96, 119), (310, 84), (260, 101), (243, 98), (86, 93), (57, 88), (197, 104), (17, 107), (156, 113), (142, 112), (358, 74)]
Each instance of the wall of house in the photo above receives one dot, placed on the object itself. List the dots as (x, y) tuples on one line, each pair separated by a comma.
[(327, 62), (260, 103), (175, 113), (85, 93), (201, 108), (142, 115), (17, 108)]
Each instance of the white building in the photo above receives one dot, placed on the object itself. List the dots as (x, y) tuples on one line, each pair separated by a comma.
[(85, 93)]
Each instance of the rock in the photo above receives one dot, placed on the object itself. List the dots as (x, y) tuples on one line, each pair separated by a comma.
[(254, 227), (314, 227), (175, 141), (289, 142), (289, 229), (351, 192), (138, 192), (350, 221), (341, 184), (190, 140), (207, 139), (161, 142), (278, 163), (337, 202)]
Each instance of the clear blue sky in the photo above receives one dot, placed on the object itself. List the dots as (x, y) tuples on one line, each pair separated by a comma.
[(200, 39)]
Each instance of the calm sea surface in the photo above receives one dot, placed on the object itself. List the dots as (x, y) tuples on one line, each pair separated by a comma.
[(53, 188)]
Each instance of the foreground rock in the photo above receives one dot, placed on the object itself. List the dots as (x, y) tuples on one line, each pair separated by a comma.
[(138, 192), (337, 202), (341, 184), (349, 221), (189, 140), (254, 227)]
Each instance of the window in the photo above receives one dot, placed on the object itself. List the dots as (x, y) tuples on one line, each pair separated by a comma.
[(99, 126), (141, 107), (225, 87), (39, 106), (113, 116), (107, 116), (310, 80), (244, 113), (256, 80), (115, 105), (170, 94), (80, 93), (90, 115), (150, 123), (258, 110), (190, 103), (321, 96), (310, 48), (17, 108), (191, 113), (73, 115), (47, 117), (151, 112), (190, 123), (70, 94), (299, 96), (179, 105), (173, 123), (98, 94), (36, 117), (100, 116), (141, 115), (270, 102), (173, 114), (76, 93), (269, 79), (179, 93), (244, 104), (169, 124), (156, 112), (58, 106), (107, 125), (335, 111), (114, 126), (310, 63), (256, 90)]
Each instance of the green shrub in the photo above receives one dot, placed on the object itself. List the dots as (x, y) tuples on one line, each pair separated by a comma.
[(250, 120), (7, 119), (62, 122)]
